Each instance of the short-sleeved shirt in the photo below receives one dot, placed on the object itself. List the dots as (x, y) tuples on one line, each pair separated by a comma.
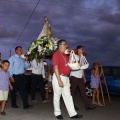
[(60, 59), (4, 80)]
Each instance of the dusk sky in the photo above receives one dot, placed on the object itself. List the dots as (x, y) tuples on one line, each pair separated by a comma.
[(95, 24)]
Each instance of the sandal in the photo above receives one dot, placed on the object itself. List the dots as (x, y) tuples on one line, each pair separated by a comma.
[(3, 113), (99, 104)]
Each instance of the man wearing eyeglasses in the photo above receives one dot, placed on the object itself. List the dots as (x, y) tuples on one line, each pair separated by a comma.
[(61, 84)]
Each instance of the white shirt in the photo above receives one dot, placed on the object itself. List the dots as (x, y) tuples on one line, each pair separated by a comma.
[(80, 73), (38, 68)]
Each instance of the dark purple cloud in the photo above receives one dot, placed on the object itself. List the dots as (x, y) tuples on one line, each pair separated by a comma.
[(96, 25)]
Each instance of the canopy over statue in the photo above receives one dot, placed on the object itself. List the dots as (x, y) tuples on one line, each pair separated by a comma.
[(46, 31)]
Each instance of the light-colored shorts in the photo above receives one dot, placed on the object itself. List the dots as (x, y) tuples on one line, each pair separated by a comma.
[(4, 95)]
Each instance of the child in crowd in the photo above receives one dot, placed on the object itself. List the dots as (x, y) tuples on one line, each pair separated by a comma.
[(4, 85), (95, 79), (47, 72), (49, 84), (50, 80)]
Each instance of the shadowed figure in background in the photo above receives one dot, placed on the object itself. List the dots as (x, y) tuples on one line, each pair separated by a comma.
[(38, 75)]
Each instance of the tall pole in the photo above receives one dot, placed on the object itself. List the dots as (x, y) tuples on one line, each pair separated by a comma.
[(106, 87), (102, 94), (10, 54), (0, 61), (0, 56)]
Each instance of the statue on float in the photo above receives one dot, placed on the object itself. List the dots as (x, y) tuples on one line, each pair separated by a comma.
[(45, 45)]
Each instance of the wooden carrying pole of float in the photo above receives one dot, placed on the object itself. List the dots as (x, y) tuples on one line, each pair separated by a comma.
[(106, 86), (102, 94), (103, 99)]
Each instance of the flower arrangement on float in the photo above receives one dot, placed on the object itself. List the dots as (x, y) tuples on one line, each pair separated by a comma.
[(45, 46)]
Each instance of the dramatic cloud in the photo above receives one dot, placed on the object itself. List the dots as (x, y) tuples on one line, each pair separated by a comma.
[(7, 33), (96, 25)]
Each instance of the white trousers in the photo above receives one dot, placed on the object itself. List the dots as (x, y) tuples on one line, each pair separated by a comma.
[(65, 92)]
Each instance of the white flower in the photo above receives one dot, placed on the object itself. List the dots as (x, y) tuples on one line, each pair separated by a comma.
[(45, 37), (44, 48), (40, 48), (29, 52), (55, 42), (51, 47), (55, 47), (32, 45)]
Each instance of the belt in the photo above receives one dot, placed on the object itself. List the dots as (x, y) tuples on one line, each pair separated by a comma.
[(36, 74), (64, 75), (19, 74)]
